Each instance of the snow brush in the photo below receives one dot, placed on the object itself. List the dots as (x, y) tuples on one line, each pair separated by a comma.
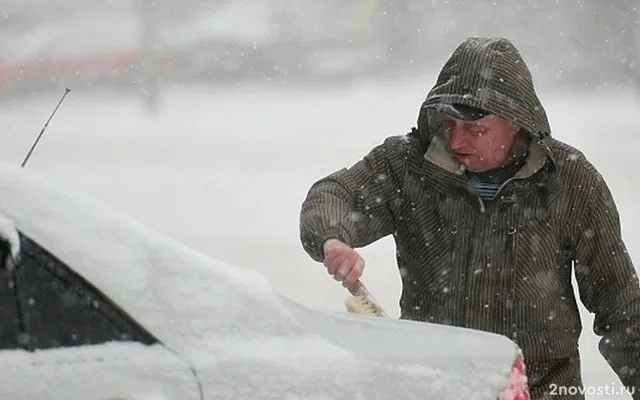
[(362, 302)]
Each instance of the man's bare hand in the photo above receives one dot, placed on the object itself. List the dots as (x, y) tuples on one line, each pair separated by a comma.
[(342, 262)]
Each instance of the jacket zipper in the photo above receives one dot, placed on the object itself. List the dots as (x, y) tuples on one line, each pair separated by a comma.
[(476, 237)]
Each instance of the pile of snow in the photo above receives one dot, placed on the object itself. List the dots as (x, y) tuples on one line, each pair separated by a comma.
[(230, 325)]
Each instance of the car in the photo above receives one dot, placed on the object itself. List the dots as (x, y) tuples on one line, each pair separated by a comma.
[(83, 48), (99, 306)]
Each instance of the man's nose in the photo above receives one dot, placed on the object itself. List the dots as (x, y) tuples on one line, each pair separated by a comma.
[(457, 138)]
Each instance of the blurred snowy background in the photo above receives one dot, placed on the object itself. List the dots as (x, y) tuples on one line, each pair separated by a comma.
[(135, 44), (209, 120)]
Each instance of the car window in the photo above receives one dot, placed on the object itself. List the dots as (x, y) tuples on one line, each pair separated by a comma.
[(58, 308)]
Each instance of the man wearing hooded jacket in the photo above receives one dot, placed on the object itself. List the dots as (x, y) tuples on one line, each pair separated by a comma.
[(490, 214)]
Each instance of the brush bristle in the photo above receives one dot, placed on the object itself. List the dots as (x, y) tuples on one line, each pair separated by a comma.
[(359, 305)]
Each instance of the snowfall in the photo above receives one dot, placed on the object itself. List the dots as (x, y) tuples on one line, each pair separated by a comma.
[(224, 169)]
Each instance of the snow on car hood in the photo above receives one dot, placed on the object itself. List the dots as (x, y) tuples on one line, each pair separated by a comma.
[(221, 318)]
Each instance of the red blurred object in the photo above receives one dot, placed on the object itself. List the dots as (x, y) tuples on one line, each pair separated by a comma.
[(51, 68), (517, 388)]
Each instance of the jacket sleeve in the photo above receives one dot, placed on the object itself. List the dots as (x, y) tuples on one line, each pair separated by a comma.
[(355, 204), (608, 281)]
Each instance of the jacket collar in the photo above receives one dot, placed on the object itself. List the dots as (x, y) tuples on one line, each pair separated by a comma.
[(438, 153)]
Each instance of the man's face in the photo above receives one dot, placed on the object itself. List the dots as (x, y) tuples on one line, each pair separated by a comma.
[(482, 144)]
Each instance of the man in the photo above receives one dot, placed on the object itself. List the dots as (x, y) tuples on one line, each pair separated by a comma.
[(489, 213)]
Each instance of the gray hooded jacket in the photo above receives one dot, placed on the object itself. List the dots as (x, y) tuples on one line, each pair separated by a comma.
[(503, 265)]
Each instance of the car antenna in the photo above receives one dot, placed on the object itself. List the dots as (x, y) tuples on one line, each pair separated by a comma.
[(66, 91)]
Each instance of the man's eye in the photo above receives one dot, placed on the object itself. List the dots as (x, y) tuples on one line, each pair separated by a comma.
[(476, 129), (447, 128)]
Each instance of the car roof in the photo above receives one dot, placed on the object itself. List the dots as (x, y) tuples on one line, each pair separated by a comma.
[(172, 290)]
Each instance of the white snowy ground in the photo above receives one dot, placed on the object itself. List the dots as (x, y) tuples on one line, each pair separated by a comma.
[(225, 170)]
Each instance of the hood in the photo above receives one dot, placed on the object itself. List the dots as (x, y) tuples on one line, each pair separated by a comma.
[(487, 73)]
